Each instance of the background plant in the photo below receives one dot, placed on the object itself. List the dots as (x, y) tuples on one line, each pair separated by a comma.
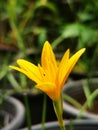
[(25, 25)]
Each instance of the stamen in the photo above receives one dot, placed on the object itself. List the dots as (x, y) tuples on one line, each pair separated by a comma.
[(42, 72)]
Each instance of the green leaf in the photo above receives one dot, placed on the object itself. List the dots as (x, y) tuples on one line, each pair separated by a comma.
[(87, 38), (42, 36), (48, 5), (84, 16), (72, 30)]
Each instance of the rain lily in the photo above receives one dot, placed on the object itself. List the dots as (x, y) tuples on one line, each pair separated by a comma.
[(50, 76)]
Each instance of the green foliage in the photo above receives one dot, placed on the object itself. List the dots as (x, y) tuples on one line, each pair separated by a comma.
[(25, 25)]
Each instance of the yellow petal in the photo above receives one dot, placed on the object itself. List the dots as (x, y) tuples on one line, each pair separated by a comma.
[(29, 75), (50, 89), (48, 61), (62, 64), (69, 66), (29, 69), (64, 58)]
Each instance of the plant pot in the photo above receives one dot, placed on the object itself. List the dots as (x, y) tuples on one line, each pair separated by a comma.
[(35, 102), (11, 114), (76, 75), (73, 125), (75, 90)]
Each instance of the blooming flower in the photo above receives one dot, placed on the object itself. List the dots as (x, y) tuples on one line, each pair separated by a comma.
[(49, 76)]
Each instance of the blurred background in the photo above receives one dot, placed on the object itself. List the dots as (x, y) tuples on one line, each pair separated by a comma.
[(26, 24)]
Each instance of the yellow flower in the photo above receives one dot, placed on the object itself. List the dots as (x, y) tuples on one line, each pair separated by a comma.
[(49, 76)]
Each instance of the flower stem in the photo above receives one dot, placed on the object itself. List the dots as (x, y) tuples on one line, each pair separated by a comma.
[(58, 110), (44, 112), (27, 112), (57, 41)]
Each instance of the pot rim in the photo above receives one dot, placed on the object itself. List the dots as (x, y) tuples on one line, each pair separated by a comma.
[(76, 123), (73, 110), (19, 114)]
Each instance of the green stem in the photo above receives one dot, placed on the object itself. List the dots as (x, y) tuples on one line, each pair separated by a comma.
[(44, 111), (18, 36), (58, 41), (58, 110), (12, 20), (71, 100), (89, 100), (28, 117), (70, 3)]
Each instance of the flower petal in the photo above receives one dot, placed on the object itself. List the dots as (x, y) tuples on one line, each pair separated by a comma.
[(29, 69), (69, 66), (49, 88), (64, 58), (48, 61), (62, 65)]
